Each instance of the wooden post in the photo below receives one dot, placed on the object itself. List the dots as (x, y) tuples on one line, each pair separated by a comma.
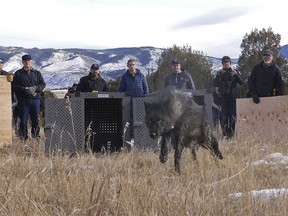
[(5, 112), (265, 120)]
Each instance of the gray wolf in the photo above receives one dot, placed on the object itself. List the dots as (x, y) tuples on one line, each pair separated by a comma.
[(175, 115)]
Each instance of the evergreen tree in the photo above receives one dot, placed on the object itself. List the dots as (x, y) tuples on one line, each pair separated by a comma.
[(113, 85)]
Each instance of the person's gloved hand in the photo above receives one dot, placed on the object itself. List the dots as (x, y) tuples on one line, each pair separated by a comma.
[(31, 90), (255, 98), (10, 77)]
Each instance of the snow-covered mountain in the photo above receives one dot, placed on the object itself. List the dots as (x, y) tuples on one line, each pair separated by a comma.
[(63, 67)]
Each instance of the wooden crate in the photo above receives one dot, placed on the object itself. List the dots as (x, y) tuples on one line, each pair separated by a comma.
[(265, 120), (5, 112)]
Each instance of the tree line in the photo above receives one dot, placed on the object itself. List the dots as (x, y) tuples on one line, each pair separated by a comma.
[(200, 67)]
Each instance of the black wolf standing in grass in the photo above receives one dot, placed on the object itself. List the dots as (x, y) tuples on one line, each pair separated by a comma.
[(174, 115)]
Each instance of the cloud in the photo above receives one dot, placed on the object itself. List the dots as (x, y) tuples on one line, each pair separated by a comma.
[(215, 17)]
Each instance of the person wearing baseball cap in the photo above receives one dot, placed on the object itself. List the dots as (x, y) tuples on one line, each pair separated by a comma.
[(179, 78), (265, 79), (93, 82), (26, 57), (28, 84)]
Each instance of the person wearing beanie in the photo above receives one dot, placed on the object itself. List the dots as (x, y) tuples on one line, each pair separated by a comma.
[(227, 80), (93, 82), (265, 79)]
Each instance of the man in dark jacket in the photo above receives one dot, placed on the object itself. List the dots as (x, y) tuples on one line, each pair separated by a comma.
[(93, 82), (227, 80), (265, 79), (28, 84), (179, 78)]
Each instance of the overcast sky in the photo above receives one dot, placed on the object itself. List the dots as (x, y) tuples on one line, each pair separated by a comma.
[(215, 27)]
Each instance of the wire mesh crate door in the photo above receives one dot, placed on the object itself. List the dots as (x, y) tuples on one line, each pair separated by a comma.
[(103, 120)]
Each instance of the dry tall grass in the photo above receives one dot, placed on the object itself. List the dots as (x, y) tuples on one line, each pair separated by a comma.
[(136, 183)]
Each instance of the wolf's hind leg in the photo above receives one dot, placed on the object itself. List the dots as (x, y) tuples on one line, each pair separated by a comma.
[(215, 147)]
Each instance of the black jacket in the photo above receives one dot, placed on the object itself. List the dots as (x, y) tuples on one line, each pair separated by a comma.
[(89, 84), (23, 78), (264, 80), (227, 84)]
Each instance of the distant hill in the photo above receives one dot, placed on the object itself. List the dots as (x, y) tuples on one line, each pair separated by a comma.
[(63, 67)]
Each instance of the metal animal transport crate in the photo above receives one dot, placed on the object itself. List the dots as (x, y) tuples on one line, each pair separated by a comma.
[(101, 121), (93, 121)]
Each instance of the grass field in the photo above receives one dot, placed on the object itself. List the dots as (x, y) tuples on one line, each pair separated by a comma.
[(136, 183)]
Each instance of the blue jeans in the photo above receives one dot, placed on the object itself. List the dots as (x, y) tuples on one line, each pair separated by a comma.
[(28, 106), (229, 118)]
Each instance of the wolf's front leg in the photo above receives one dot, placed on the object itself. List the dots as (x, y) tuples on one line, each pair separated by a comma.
[(163, 149), (178, 148), (193, 150)]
